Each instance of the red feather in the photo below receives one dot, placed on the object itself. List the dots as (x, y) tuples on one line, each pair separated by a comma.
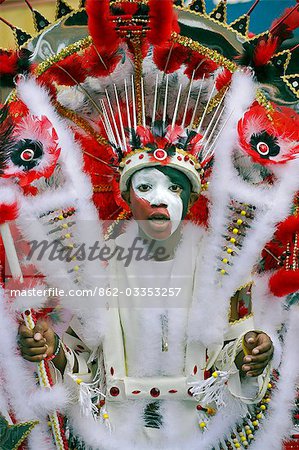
[(200, 66), (97, 64), (161, 21), (283, 26), (68, 72), (100, 26), (287, 229), (8, 212), (223, 79), (284, 282), (8, 62), (170, 57), (264, 50)]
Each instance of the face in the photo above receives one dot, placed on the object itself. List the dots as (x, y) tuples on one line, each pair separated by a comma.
[(159, 200)]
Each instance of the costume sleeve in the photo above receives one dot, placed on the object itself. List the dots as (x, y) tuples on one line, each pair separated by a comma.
[(248, 389)]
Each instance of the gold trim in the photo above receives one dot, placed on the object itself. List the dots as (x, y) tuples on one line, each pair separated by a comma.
[(192, 3), (285, 66), (212, 54), (32, 424), (67, 51), (223, 24), (286, 79), (221, 3), (102, 188), (235, 322), (123, 215), (80, 122), (247, 24), (263, 101), (136, 41)]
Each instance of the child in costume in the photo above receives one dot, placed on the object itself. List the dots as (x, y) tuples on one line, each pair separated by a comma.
[(156, 110)]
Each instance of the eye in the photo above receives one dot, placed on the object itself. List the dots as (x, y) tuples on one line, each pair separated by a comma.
[(176, 188), (265, 145), (27, 153), (144, 187)]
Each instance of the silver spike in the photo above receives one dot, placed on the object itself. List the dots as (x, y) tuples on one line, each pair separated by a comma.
[(212, 132), (120, 120), (165, 102), (155, 100), (113, 119), (187, 100), (134, 104), (196, 104), (215, 115), (176, 107), (110, 132), (206, 109), (127, 105), (212, 146)]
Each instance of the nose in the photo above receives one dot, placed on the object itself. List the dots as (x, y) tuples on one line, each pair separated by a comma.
[(159, 205)]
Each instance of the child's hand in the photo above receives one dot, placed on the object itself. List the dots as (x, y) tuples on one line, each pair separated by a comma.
[(37, 344), (259, 349)]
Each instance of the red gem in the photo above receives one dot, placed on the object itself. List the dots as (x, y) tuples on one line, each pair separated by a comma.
[(160, 154), (155, 392), (179, 158), (191, 162), (172, 391), (114, 391), (27, 155), (199, 408), (189, 392), (141, 156), (128, 161), (186, 158), (27, 312), (136, 392), (101, 403), (207, 374), (112, 371), (262, 148), (195, 370)]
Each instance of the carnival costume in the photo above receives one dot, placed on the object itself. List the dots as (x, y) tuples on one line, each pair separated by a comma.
[(154, 85)]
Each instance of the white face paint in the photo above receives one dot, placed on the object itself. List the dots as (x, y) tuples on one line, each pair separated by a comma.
[(157, 189)]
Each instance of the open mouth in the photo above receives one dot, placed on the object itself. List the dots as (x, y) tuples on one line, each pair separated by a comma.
[(159, 218)]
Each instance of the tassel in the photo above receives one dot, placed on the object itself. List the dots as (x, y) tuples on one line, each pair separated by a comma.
[(212, 390)]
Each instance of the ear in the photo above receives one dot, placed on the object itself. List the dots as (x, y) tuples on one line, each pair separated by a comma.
[(126, 196), (193, 199)]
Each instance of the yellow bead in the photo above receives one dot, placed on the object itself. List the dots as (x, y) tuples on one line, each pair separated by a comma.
[(202, 424), (67, 235), (255, 423), (237, 445), (239, 222), (263, 407), (105, 416), (65, 225), (250, 436), (211, 411), (79, 381), (215, 374), (247, 427), (235, 231), (248, 431), (232, 240), (268, 400), (223, 272), (259, 416), (245, 443), (76, 268), (243, 213), (74, 258), (229, 251), (243, 438), (49, 423), (70, 246), (225, 260), (60, 217), (269, 385)]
